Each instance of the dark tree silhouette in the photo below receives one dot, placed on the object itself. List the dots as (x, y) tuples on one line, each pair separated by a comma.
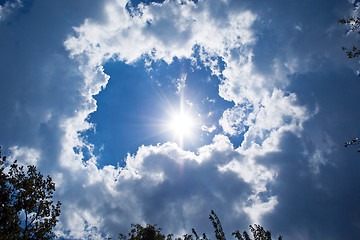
[(27, 210), (219, 233), (354, 24), (138, 232), (258, 233), (151, 232), (354, 141)]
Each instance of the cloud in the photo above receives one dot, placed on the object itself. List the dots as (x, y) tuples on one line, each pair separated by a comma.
[(232, 121), (180, 84), (8, 8), (210, 129), (157, 184), (156, 175), (27, 155), (127, 38), (291, 93)]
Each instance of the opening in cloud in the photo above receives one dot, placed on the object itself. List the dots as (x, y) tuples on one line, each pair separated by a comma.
[(147, 107), (206, 64)]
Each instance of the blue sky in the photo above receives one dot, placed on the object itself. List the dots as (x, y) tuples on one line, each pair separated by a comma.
[(135, 112), (158, 112)]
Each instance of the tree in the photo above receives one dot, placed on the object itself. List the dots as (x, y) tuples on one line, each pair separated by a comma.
[(354, 141), (354, 23), (27, 210), (151, 232), (219, 233), (258, 233)]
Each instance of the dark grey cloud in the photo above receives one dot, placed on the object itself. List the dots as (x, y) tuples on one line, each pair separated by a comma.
[(321, 204), (313, 206), (160, 185)]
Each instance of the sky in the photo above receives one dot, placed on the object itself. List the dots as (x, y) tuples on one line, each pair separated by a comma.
[(160, 111)]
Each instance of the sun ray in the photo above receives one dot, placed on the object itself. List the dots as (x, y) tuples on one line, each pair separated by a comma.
[(181, 123)]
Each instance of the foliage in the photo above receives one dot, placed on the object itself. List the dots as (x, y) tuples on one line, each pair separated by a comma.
[(138, 232), (151, 232), (27, 210), (354, 23), (219, 233), (258, 232)]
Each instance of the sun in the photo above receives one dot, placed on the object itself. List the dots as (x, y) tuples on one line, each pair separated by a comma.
[(182, 125)]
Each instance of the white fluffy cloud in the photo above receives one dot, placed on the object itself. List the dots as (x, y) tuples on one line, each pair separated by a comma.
[(157, 184), (28, 156), (164, 31)]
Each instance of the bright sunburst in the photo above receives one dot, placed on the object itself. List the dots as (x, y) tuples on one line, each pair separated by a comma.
[(181, 124)]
